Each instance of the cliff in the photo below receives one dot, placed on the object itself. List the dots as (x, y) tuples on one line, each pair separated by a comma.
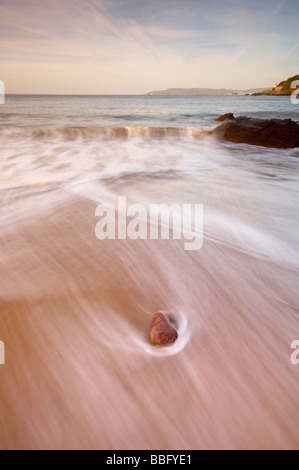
[(283, 88)]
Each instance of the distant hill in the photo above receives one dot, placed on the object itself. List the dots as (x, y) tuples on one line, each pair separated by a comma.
[(282, 89), (203, 91)]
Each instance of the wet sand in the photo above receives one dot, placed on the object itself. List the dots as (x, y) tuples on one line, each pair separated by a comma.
[(80, 372)]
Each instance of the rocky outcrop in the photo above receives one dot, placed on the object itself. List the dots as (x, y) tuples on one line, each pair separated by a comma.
[(272, 133), (225, 117), (285, 88), (162, 332)]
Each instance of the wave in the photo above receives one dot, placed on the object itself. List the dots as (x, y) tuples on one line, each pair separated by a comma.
[(77, 133)]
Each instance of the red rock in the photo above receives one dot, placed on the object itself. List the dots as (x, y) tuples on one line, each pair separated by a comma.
[(273, 133), (162, 332), (225, 117)]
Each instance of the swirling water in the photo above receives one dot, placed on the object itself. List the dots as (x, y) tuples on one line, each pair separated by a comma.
[(75, 311)]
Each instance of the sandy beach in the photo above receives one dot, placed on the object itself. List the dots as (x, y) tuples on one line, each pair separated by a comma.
[(80, 371)]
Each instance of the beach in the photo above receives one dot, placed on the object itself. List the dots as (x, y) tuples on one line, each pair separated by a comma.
[(80, 371)]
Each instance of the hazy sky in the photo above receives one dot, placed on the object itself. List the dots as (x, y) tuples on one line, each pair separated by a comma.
[(135, 46)]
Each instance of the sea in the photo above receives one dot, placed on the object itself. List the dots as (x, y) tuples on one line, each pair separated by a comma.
[(80, 370)]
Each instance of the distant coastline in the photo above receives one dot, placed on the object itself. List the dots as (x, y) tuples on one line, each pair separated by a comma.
[(284, 88), (204, 91)]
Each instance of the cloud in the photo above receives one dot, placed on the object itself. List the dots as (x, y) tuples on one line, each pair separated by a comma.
[(279, 6), (127, 46)]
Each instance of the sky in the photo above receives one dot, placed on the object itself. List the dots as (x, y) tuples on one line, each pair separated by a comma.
[(136, 46)]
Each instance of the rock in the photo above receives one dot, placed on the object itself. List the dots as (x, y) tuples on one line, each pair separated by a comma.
[(162, 332), (225, 117), (272, 133)]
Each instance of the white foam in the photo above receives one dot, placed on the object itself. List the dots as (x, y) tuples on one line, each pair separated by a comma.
[(230, 230)]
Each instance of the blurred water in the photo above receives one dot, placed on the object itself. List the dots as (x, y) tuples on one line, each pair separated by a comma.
[(75, 311), (147, 111)]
